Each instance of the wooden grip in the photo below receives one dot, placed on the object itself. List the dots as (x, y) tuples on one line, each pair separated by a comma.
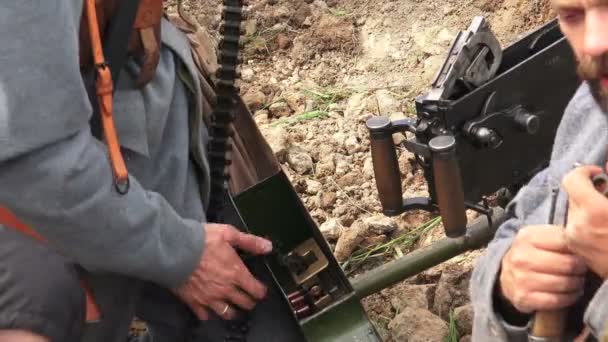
[(549, 323), (386, 165), (448, 186)]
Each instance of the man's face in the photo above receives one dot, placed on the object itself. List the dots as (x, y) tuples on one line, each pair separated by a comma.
[(585, 25)]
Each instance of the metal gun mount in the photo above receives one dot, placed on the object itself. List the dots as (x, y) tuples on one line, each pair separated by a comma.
[(486, 126)]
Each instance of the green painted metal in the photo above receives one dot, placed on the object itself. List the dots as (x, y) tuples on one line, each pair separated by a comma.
[(478, 234), (272, 209), (344, 322)]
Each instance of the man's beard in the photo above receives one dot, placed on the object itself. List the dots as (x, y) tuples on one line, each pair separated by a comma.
[(592, 70)]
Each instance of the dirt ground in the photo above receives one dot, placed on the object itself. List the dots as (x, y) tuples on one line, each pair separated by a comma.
[(313, 71)]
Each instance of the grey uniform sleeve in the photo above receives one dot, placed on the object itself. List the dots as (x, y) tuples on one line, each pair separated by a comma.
[(580, 137), (489, 325), (56, 177), (596, 314)]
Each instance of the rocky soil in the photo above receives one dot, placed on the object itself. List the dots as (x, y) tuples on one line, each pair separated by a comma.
[(313, 71)]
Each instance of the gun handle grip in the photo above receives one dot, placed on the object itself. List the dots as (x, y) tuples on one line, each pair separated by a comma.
[(386, 167), (448, 185), (549, 324)]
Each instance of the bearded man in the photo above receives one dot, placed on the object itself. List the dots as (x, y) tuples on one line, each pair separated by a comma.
[(532, 266)]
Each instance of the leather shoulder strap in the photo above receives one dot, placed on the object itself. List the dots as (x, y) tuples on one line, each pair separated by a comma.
[(105, 90), (116, 38), (126, 23)]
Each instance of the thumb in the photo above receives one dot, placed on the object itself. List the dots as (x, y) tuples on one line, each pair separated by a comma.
[(578, 177), (252, 244)]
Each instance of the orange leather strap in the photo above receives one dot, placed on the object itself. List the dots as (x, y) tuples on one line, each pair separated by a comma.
[(147, 29), (151, 57), (105, 89), (8, 219), (144, 41)]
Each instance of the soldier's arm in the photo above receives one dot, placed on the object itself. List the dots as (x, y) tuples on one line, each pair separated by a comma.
[(56, 177), (596, 314), (494, 318)]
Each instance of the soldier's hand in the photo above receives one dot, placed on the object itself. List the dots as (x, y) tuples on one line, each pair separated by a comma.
[(587, 226), (539, 272), (222, 282)]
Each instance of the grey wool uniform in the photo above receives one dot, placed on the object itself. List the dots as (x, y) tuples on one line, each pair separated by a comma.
[(581, 137), (56, 176)]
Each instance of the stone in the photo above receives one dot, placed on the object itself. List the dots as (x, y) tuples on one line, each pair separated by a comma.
[(301, 14), (398, 138), (432, 40), (386, 103), (355, 105), (452, 290), (247, 74), (254, 99), (309, 105), (261, 117), (351, 144), (325, 166), (373, 241), (339, 138), (445, 37), (278, 139), (345, 213), (251, 27), (335, 108), (307, 22), (361, 21), (280, 109), (380, 224), (348, 179), (283, 41), (418, 325), (349, 240), (411, 296), (488, 5), (388, 7), (342, 164), (299, 160), (325, 150), (281, 12), (296, 102), (327, 199), (378, 312), (463, 316), (331, 229), (368, 168), (319, 216), (312, 187), (320, 4), (431, 66)]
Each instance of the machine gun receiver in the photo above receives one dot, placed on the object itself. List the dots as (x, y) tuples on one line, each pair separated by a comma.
[(476, 137)]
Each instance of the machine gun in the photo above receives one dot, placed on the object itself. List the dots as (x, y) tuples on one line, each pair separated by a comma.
[(487, 124)]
